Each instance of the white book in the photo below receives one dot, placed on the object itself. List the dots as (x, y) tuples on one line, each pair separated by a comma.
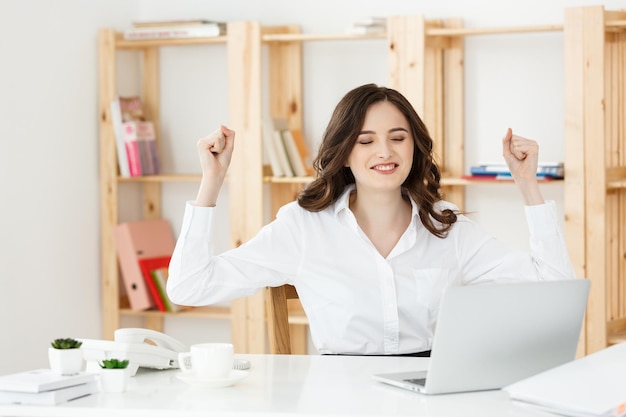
[(52, 397), (371, 21), (281, 150), (116, 119), (366, 30), (174, 32), (282, 154), (272, 152), (39, 380), (592, 386), (293, 154)]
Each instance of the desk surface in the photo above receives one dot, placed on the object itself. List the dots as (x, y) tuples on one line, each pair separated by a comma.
[(285, 385)]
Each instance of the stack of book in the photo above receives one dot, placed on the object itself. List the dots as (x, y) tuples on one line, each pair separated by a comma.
[(175, 29), (368, 25), (135, 138), (287, 150), (489, 171), (45, 387)]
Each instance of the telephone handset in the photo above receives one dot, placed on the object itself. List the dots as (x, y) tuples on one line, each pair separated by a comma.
[(137, 335), (142, 347)]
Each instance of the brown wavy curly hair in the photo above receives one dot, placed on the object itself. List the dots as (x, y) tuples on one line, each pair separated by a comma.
[(346, 122)]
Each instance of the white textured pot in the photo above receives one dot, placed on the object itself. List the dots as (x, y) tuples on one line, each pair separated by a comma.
[(114, 380), (65, 361)]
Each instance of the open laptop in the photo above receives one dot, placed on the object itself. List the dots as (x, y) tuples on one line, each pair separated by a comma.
[(489, 336)]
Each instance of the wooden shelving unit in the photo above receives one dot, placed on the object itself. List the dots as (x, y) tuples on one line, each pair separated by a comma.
[(109, 43), (425, 62)]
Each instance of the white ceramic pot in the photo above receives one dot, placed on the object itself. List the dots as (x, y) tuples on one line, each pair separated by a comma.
[(114, 380), (65, 361)]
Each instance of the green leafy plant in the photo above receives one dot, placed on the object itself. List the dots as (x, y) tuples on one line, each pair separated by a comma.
[(67, 343), (114, 363)]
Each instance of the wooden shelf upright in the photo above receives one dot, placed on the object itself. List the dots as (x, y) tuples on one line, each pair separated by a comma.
[(595, 165)]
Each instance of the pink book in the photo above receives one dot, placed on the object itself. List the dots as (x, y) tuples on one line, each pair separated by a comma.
[(132, 148), (139, 240)]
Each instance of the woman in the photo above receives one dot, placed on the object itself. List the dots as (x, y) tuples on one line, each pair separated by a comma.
[(369, 245)]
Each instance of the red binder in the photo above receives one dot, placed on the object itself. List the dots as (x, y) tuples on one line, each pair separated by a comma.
[(148, 265), (141, 240)]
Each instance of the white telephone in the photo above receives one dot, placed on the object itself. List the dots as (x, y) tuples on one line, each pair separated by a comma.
[(132, 344)]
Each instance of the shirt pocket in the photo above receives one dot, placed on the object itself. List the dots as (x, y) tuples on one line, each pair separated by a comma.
[(429, 285)]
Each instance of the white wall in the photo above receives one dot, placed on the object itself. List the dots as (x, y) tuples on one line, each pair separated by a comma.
[(49, 232)]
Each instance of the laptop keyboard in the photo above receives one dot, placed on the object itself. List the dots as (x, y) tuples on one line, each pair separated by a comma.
[(417, 381)]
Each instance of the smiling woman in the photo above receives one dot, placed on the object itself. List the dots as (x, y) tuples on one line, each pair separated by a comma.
[(375, 200)]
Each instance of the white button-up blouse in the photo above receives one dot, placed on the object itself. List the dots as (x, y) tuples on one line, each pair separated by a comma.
[(356, 301)]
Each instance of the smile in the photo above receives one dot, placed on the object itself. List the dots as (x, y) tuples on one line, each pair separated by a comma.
[(385, 167)]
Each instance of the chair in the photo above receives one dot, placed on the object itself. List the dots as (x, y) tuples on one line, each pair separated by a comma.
[(278, 318)]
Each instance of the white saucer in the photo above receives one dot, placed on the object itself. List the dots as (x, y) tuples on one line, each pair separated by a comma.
[(192, 379)]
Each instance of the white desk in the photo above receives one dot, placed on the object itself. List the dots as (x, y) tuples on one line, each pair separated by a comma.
[(285, 385)]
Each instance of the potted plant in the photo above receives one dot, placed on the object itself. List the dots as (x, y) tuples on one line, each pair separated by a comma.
[(65, 356), (114, 375)]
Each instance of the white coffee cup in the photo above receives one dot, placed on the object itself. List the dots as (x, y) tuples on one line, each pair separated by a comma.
[(208, 360)]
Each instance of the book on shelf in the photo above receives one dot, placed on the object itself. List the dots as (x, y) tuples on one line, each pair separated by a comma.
[(366, 30), (206, 30), (140, 140), (298, 152), (547, 170), (278, 125), (371, 21), (146, 266), (136, 146), (135, 241), (160, 275), (367, 25), (131, 146), (293, 152), (40, 380), (175, 22), (120, 144), (271, 150), (154, 272), (131, 108), (52, 397)]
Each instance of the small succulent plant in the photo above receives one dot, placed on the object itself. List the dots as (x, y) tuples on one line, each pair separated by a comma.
[(114, 363), (67, 343)]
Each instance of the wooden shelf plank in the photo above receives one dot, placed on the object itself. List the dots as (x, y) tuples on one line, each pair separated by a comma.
[(618, 184), (215, 312), (163, 178), (617, 337), (121, 43), (287, 180), (463, 31), (300, 37)]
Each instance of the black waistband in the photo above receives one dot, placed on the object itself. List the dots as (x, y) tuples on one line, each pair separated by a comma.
[(425, 354)]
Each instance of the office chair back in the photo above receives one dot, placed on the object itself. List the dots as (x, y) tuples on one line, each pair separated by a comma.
[(278, 317)]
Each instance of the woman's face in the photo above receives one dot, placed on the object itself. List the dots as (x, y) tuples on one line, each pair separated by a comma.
[(382, 156)]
